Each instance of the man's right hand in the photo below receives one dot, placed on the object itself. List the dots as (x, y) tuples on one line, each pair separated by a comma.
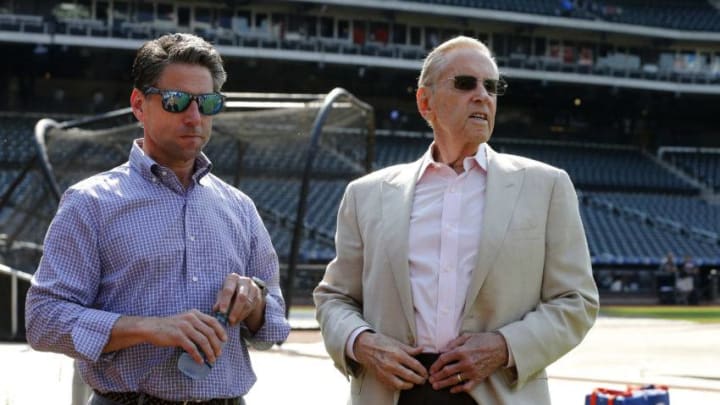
[(390, 360), (191, 330)]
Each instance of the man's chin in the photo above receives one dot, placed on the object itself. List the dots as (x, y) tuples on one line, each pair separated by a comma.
[(480, 137), (193, 142)]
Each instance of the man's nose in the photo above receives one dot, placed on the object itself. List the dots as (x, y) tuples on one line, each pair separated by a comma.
[(480, 93), (192, 114)]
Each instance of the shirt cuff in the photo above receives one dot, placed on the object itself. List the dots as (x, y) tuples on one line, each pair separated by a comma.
[(351, 341), (511, 359), (92, 332), (274, 330)]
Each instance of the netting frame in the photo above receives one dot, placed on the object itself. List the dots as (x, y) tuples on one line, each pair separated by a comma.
[(326, 104)]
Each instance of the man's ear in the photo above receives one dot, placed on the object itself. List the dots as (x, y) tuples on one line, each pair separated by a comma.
[(422, 98), (136, 103)]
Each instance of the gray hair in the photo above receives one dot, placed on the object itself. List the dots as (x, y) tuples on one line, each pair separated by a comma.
[(437, 58), (155, 55)]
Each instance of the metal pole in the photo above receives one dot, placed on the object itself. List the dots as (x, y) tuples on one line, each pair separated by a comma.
[(13, 303), (302, 199), (304, 188)]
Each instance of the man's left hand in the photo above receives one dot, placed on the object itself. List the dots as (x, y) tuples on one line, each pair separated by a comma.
[(242, 300), (471, 358)]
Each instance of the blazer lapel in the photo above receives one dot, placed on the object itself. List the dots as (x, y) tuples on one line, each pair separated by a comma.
[(397, 199), (504, 182)]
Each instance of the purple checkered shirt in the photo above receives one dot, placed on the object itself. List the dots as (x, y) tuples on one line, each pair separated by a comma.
[(133, 241)]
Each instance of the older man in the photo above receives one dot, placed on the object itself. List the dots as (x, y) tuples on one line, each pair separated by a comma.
[(156, 275), (461, 276)]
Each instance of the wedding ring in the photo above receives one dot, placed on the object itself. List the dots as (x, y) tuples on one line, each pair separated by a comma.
[(460, 378)]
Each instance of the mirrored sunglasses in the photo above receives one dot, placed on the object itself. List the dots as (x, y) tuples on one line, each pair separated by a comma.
[(176, 101), (469, 83)]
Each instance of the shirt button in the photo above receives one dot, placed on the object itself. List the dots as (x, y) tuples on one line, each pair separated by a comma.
[(194, 278), (192, 238), (164, 173)]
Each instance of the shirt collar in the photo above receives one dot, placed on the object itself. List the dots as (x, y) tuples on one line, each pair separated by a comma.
[(149, 168), (428, 160)]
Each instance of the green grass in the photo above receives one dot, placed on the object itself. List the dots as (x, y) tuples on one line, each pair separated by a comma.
[(686, 313)]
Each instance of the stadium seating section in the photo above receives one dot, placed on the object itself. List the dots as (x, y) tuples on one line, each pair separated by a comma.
[(634, 209), (290, 32), (698, 16), (703, 166)]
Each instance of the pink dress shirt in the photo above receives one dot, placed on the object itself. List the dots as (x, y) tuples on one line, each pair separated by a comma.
[(441, 263), (445, 226)]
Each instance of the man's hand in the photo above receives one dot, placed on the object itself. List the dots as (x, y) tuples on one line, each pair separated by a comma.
[(390, 360), (471, 358), (243, 298), (194, 331)]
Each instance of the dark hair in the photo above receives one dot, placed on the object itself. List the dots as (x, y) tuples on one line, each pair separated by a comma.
[(155, 55)]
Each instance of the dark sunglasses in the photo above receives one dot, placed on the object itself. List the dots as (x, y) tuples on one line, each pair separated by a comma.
[(468, 83), (176, 101)]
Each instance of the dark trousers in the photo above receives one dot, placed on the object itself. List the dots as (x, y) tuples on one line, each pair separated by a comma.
[(426, 395)]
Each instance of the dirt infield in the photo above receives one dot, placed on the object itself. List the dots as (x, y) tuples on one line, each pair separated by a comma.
[(682, 355)]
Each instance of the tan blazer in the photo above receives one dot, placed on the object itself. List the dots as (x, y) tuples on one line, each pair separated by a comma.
[(533, 280)]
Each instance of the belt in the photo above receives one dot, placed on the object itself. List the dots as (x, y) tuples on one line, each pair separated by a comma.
[(136, 398)]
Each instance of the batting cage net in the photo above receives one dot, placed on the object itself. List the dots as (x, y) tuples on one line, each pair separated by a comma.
[(293, 154)]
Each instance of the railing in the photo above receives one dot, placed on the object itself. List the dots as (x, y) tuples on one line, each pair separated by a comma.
[(15, 278)]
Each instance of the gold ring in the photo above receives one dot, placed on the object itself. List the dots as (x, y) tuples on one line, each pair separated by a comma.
[(459, 377)]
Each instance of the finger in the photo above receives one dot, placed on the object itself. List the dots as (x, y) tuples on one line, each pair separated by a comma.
[(412, 363), (413, 351), (410, 372), (207, 340), (391, 380), (400, 384), (206, 333), (214, 331), (447, 367), (182, 340), (197, 345), (227, 293), (449, 381), (465, 387), (443, 360), (218, 329), (447, 376), (419, 371), (243, 304), (458, 341)]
